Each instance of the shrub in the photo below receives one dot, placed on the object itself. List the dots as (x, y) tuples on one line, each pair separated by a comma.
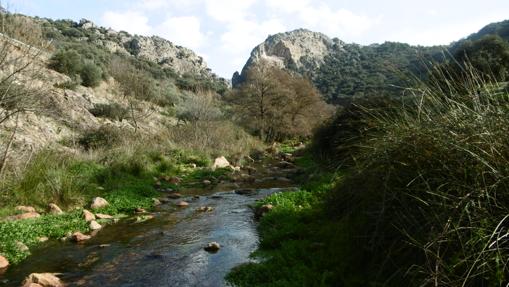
[(67, 62), (91, 74), (112, 111), (429, 189), (103, 137)]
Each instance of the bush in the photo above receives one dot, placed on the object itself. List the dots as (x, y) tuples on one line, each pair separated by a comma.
[(103, 137), (91, 74), (67, 62), (429, 190), (112, 111)]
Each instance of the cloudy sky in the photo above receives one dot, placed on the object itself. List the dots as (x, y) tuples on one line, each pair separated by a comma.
[(225, 31)]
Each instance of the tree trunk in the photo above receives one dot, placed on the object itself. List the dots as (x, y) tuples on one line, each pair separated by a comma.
[(5, 156)]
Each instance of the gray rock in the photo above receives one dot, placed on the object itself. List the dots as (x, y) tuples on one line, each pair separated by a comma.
[(212, 247), (299, 50), (98, 202), (54, 209)]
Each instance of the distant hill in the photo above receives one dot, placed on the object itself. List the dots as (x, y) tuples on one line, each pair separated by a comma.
[(342, 71)]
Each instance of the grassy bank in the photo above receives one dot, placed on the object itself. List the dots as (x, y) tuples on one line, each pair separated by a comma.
[(423, 200), (300, 245), (125, 177)]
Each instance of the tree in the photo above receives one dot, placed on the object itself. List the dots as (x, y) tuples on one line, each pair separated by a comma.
[(20, 46), (276, 105)]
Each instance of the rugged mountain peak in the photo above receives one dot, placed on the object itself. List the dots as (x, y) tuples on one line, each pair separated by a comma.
[(300, 50)]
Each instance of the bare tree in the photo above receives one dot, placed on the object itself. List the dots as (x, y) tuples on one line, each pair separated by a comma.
[(21, 44), (276, 104)]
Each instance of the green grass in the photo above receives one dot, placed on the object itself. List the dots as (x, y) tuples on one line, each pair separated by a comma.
[(30, 230), (125, 178), (297, 239)]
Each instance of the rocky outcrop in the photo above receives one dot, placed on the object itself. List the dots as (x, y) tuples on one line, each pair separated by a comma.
[(301, 50), (156, 49)]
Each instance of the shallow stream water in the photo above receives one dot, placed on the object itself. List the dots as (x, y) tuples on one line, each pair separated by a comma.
[(164, 251)]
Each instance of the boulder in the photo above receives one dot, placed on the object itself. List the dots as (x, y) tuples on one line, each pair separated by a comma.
[(220, 162), (42, 239), (205, 209), (156, 202), (22, 216), (26, 209), (98, 202), (55, 209), (89, 216), (22, 246), (94, 225), (79, 237), (207, 182), (174, 195), (4, 263), (182, 204), (212, 247), (103, 216), (43, 279)]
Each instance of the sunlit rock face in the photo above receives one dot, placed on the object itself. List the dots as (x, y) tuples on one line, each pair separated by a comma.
[(301, 50)]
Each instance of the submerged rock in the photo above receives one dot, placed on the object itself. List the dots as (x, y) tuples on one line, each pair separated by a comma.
[(174, 195), (80, 237), (246, 191), (43, 279), (212, 247), (182, 204), (99, 202), (205, 209)]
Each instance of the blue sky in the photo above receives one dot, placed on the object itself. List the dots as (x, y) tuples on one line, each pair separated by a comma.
[(225, 31)]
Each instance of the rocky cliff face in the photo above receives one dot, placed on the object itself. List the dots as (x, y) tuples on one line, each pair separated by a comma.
[(156, 49), (301, 50)]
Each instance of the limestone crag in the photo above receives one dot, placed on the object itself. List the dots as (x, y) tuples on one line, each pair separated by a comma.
[(301, 50), (156, 49)]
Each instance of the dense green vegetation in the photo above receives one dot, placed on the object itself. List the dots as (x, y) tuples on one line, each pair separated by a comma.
[(352, 70), (422, 200)]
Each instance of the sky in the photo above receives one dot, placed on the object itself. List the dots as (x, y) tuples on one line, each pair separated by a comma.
[(225, 31)]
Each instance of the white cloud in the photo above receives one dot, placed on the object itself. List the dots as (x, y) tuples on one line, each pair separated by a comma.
[(184, 31), (321, 17), (130, 21), (153, 4), (228, 10), (245, 35)]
